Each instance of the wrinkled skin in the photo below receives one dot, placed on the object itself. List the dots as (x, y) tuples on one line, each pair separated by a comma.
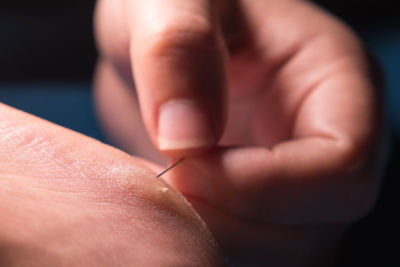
[(68, 200), (294, 108)]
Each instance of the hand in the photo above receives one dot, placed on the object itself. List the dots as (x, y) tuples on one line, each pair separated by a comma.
[(68, 200), (287, 86)]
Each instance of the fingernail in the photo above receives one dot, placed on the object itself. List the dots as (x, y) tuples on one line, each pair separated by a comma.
[(182, 124)]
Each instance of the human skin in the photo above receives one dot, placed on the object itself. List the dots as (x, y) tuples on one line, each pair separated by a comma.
[(280, 117), (69, 200)]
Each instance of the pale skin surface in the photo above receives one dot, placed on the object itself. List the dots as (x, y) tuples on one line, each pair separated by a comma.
[(280, 120), (68, 200), (288, 149)]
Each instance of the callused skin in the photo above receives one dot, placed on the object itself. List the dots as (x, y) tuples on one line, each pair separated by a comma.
[(68, 200)]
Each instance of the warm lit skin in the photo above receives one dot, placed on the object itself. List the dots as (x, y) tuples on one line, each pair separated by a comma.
[(68, 200), (287, 150), (290, 146)]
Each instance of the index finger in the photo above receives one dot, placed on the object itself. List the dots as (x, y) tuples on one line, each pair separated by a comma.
[(178, 61)]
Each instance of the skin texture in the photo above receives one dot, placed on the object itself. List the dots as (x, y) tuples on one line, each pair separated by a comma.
[(68, 200), (293, 102)]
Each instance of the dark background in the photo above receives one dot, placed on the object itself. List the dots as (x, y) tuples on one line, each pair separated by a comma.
[(46, 40), (47, 57), (53, 40)]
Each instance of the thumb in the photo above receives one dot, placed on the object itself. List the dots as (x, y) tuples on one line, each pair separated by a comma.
[(178, 62)]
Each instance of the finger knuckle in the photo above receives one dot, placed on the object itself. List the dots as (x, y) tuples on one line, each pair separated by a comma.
[(193, 34)]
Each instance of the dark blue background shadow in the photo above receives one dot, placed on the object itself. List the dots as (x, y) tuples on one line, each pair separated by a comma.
[(65, 103)]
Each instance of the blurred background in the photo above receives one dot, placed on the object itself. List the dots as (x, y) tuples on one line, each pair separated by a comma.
[(47, 57)]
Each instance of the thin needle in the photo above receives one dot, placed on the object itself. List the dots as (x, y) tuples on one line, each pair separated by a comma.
[(170, 167)]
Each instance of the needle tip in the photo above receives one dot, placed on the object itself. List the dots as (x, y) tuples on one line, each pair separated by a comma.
[(170, 167)]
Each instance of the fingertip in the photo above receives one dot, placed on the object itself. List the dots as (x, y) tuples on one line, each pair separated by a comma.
[(179, 63), (184, 126)]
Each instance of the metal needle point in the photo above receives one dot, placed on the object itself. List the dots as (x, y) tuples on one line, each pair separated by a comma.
[(170, 167)]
